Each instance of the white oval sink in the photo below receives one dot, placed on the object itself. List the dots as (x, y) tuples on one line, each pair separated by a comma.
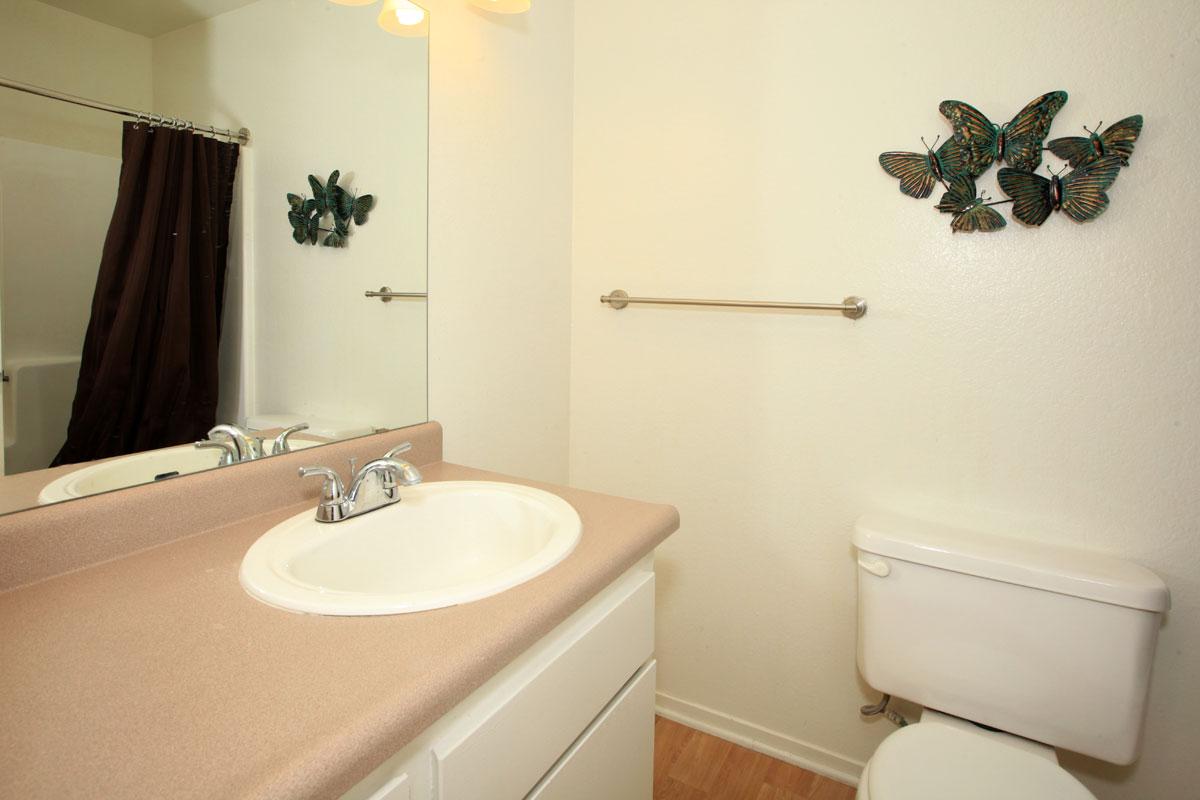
[(135, 469), (444, 543)]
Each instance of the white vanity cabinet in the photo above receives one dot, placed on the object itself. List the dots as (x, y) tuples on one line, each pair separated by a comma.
[(572, 718)]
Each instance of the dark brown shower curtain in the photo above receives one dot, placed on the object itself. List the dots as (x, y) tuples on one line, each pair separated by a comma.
[(148, 375)]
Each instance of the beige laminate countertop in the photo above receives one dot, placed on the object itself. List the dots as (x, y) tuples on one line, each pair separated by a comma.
[(156, 675)]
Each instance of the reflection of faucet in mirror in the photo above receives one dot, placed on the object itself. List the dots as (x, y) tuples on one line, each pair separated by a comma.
[(374, 486), (228, 450), (247, 446), (282, 442), (239, 444)]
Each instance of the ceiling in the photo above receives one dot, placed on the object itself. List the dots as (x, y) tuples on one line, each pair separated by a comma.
[(148, 17)]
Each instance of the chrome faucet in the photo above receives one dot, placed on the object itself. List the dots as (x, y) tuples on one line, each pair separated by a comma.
[(374, 486), (248, 447), (238, 444)]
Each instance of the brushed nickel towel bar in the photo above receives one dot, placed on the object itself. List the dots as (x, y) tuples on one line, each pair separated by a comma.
[(852, 307), (386, 294), (241, 136)]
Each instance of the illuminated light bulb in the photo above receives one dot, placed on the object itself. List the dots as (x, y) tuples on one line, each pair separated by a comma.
[(503, 6), (409, 14), (404, 18)]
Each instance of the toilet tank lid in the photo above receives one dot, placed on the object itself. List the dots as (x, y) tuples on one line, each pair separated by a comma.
[(1064, 570)]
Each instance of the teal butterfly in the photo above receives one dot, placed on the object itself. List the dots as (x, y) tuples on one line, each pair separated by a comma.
[(324, 195), (1080, 194), (339, 235), (1117, 140), (347, 206), (304, 222), (971, 212), (1018, 144), (918, 173)]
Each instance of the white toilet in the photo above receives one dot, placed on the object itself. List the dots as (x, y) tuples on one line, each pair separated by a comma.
[(1020, 647)]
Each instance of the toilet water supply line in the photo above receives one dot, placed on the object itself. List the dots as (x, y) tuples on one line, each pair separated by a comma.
[(882, 708)]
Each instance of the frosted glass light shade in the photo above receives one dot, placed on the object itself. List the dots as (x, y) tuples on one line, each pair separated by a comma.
[(404, 18), (503, 6)]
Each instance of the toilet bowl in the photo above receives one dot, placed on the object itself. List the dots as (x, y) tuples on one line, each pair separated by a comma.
[(946, 758)]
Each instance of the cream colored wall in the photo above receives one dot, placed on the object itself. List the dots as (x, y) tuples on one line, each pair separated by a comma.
[(58, 168), (500, 235), (48, 47), (55, 207), (1042, 382), (320, 87), (58, 180)]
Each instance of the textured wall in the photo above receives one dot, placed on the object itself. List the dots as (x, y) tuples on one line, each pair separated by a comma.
[(56, 49), (1041, 382), (500, 235)]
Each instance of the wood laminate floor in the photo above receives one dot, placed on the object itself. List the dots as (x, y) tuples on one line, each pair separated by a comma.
[(690, 765)]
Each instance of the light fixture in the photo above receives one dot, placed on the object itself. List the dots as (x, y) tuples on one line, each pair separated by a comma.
[(404, 18), (503, 6)]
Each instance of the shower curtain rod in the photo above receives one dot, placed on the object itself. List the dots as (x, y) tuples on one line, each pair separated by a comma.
[(242, 136)]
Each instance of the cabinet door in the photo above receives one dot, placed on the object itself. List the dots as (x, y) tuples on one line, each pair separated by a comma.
[(614, 757), (510, 738)]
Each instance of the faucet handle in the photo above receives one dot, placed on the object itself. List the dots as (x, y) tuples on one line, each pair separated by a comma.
[(398, 449), (332, 491), (227, 447), (281, 444)]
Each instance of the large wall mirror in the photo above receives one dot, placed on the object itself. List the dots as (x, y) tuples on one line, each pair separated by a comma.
[(152, 293)]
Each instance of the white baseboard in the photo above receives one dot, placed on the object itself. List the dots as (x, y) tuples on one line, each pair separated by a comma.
[(759, 739)]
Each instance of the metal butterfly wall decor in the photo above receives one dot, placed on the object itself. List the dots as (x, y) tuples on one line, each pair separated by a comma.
[(1079, 194), (977, 143), (971, 213), (918, 173), (306, 214), (1117, 140), (1018, 144)]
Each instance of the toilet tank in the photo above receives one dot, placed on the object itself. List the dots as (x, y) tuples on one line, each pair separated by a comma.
[(1049, 643)]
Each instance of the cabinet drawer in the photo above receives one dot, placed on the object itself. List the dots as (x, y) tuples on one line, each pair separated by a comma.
[(501, 751), (614, 758)]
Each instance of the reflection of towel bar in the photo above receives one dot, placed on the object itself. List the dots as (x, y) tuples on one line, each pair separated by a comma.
[(386, 294), (852, 307)]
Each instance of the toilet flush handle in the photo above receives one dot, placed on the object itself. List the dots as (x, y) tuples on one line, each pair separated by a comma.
[(875, 566)]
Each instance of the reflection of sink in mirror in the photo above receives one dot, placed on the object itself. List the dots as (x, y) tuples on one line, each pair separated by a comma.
[(146, 345), (138, 468), (443, 544)]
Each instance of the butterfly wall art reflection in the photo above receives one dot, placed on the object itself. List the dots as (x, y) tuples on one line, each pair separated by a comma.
[(329, 199), (1017, 146)]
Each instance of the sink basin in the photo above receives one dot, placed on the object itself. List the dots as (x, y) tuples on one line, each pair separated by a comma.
[(444, 543), (136, 468)]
